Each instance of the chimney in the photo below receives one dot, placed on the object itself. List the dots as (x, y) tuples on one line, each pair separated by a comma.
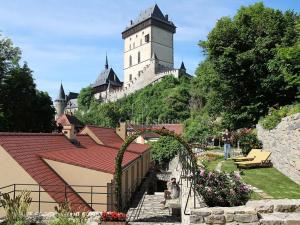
[(122, 130), (131, 22), (167, 17), (69, 132)]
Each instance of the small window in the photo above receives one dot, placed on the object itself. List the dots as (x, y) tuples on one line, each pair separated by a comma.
[(130, 46), (139, 57), (130, 77), (130, 60), (147, 38)]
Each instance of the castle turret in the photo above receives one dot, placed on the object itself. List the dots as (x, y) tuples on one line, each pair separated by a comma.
[(60, 102)]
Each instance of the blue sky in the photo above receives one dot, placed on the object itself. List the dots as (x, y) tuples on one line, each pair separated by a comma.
[(67, 39)]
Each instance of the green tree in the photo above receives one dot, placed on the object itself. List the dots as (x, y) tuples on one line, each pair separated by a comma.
[(85, 98), (163, 150), (290, 62), (22, 107), (243, 70)]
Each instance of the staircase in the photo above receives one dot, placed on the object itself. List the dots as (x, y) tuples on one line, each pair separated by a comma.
[(151, 211)]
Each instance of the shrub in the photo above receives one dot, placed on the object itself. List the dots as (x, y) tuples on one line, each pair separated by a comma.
[(274, 116), (220, 189), (248, 142), (16, 208), (65, 216), (164, 149)]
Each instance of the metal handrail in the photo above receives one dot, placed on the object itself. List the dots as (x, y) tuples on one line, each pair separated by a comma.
[(66, 191)]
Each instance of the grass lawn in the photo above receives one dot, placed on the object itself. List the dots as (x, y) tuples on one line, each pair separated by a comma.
[(270, 180)]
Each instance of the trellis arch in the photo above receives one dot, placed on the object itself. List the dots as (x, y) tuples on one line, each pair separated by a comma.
[(128, 141)]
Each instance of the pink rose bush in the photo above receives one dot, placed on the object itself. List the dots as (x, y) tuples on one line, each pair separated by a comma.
[(221, 189)]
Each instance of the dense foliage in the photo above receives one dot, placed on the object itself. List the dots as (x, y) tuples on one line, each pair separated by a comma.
[(243, 68), (248, 142), (163, 150), (16, 208), (274, 116), (164, 102), (22, 107), (220, 189)]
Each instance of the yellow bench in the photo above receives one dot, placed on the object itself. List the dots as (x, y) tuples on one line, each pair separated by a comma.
[(261, 160), (251, 155)]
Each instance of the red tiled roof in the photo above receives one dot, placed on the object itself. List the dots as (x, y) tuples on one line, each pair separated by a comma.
[(69, 120), (99, 158), (24, 148), (110, 138), (85, 140)]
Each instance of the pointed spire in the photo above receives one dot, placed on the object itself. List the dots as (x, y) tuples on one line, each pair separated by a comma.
[(106, 62), (61, 93), (182, 67)]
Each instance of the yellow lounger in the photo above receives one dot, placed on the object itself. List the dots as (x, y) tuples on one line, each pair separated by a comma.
[(251, 155), (261, 160)]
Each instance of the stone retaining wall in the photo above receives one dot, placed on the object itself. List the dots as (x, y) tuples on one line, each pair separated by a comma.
[(262, 212), (284, 143)]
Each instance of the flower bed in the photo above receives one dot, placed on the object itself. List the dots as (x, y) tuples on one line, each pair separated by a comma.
[(113, 218)]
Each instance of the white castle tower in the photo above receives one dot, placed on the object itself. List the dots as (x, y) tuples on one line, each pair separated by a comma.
[(149, 36)]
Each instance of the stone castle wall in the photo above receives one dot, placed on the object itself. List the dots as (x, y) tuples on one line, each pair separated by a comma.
[(284, 144), (149, 75)]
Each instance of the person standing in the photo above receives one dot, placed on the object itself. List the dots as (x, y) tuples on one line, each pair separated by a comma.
[(226, 139)]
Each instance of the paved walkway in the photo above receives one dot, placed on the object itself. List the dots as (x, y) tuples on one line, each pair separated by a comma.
[(150, 211)]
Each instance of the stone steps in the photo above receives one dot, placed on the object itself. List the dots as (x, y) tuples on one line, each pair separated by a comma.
[(151, 211), (280, 219)]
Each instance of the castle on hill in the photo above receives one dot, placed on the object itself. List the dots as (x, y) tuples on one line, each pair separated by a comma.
[(148, 57)]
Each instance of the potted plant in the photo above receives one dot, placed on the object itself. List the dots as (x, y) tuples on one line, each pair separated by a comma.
[(113, 218)]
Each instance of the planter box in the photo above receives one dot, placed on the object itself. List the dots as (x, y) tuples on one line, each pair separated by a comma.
[(113, 223)]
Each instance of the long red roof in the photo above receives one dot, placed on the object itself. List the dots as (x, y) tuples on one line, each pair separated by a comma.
[(110, 138), (99, 158), (25, 149)]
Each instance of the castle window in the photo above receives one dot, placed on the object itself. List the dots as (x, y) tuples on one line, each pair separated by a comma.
[(130, 77), (147, 38), (130, 46), (139, 57), (130, 60)]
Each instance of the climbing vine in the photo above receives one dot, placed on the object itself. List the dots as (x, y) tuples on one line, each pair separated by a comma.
[(128, 141)]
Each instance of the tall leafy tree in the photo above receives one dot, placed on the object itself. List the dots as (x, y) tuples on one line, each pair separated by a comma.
[(22, 106), (241, 51)]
